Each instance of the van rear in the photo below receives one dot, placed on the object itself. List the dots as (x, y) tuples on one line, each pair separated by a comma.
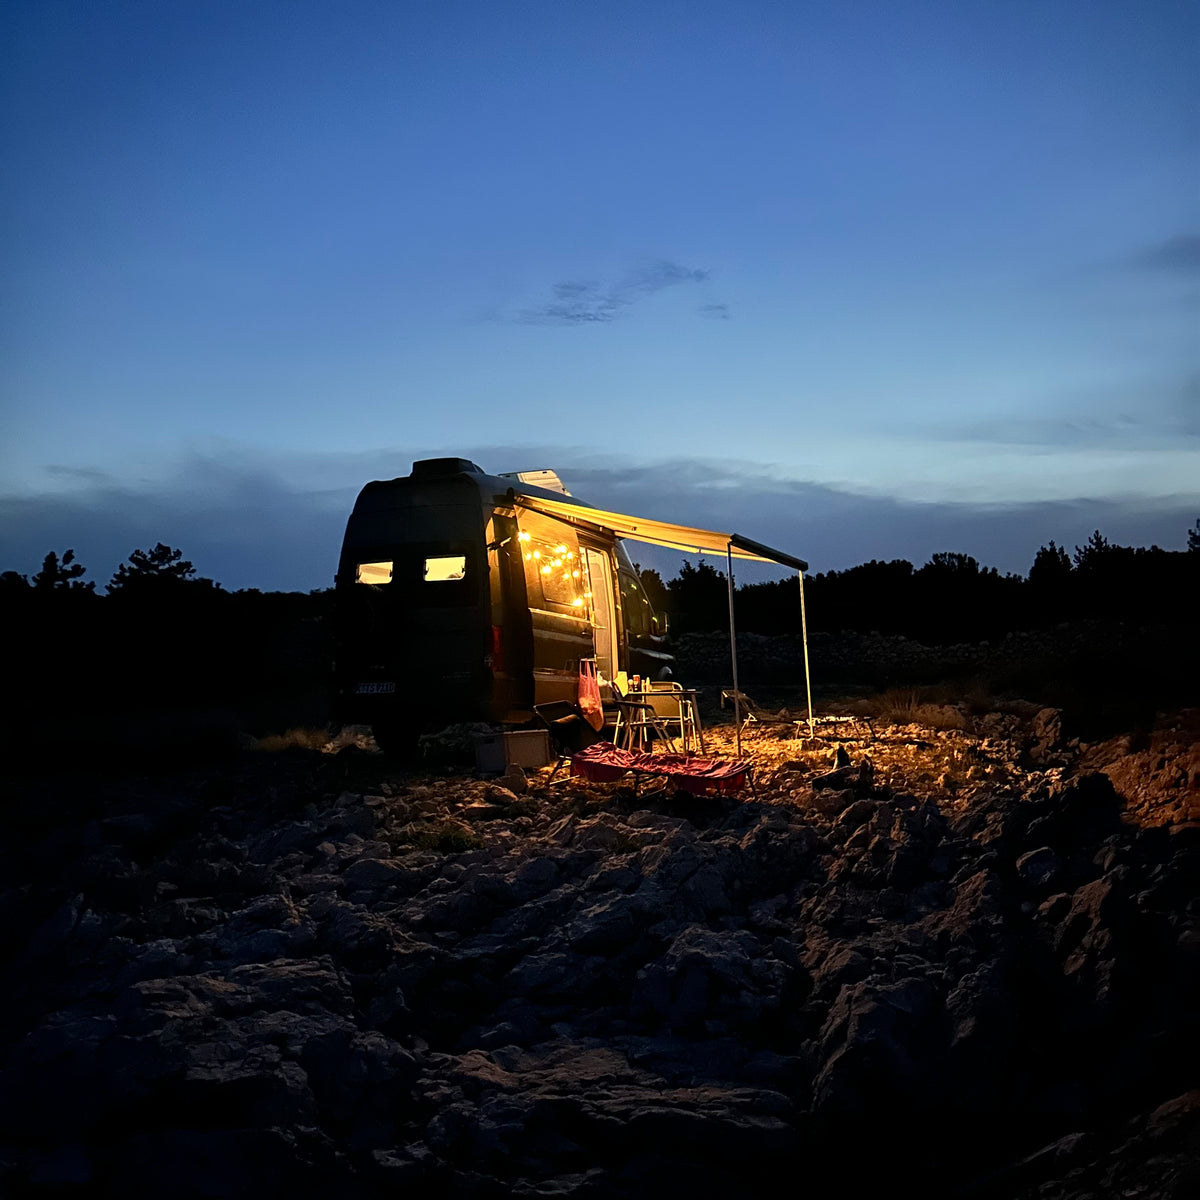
[(417, 643)]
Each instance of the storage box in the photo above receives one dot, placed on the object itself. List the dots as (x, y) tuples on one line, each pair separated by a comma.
[(522, 748)]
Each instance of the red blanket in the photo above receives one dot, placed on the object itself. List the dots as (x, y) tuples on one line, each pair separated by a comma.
[(603, 763)]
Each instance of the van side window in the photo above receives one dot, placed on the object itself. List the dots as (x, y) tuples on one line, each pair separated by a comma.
[(636, 606), (556, 568), (373, 572), (446, 568)]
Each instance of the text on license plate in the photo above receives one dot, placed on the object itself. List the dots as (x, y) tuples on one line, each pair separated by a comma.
[(375, 689)]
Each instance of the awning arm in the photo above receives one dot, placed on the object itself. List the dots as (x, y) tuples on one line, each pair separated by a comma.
[(749, 544)]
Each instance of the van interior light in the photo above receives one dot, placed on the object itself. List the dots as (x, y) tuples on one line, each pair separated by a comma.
[(528, 557), (373, 572), (537, 554), (546, 570), (445, 569), (576, 603), (560, 549), (522, 536)]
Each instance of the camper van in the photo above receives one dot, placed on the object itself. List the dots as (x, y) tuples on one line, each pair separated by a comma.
[(458, 600)]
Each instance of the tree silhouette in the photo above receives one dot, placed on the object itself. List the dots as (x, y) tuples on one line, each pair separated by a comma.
[(1088, 556), (63, 575), (1050, 580), (13, 585), (1194, 538), (162, 566), (701, 596)]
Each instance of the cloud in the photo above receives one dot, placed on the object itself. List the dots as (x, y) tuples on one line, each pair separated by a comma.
[(714, 312), (276, 522), (1140, 414), (584, 302), (1180, 253), (240, 524), (1054, 433)]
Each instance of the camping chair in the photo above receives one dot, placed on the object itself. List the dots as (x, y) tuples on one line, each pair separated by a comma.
[(676, 708), (568, 728), (636, 717), (752, 714)]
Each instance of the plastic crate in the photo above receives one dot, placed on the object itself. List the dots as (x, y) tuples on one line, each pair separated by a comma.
[(521, 748)]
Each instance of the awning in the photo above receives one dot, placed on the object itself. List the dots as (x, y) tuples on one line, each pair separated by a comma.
[(660, 533)]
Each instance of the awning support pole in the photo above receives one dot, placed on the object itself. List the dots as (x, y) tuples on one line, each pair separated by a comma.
[(804, 638), (737, 695)]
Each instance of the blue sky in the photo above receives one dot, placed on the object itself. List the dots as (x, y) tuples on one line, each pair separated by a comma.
[(861, 280)]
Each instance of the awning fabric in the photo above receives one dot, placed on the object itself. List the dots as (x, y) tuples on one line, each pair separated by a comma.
[(660, 533)]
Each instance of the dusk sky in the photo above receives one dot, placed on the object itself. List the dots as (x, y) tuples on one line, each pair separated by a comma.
[(859, 280)]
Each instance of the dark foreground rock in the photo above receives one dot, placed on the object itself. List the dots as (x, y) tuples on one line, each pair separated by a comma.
[(308, 976)]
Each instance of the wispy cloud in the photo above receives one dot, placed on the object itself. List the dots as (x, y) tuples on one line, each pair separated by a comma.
[(1148, 413), (1055, 433), (1180, 253), (587, 302), (714, 312)]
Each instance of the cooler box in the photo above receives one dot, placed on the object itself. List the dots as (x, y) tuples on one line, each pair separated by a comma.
[(521, 748)]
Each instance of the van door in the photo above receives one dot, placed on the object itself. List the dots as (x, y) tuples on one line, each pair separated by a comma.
[(554, 588), (600, 597)]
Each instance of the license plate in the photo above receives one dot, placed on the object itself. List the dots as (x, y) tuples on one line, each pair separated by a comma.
[(375, 689)]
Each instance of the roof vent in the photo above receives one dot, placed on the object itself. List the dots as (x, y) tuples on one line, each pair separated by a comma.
[(543, 479), (434, 468)]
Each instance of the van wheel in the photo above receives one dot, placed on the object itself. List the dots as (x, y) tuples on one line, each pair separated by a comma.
[(397, 739)]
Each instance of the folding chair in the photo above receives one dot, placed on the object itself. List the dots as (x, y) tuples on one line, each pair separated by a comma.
[(676, 708), (636, 718), (568, 728), (752, 714)]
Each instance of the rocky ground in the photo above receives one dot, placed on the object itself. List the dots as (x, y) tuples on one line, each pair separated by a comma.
[(964, 961)]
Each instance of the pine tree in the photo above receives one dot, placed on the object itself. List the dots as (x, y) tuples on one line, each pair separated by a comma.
[(162, 566), (1051, 566), (63, 575)]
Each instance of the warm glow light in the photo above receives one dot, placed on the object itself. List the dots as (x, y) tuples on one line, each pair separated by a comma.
[(560, 549), (445, 568), (545, 570), (577, 603), (375, 573), (522, 537)]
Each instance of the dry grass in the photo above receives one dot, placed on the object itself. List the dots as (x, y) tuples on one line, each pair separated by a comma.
[(294, 739), (447, 837)]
